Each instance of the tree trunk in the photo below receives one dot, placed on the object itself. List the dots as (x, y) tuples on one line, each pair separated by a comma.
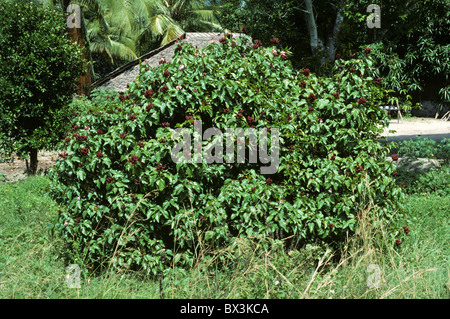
[(314, 40), (79, 36), (332, 38), (32, 169)]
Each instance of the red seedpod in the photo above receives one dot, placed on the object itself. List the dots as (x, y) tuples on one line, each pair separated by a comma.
[(149, 93), (133, 159), (275, 40), (63, 154), (160, 168), (312, 97), (257, 44), (362, 101), (406, 230)]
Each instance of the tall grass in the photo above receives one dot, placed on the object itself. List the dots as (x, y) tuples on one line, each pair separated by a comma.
[(32, 266), (418, 268)]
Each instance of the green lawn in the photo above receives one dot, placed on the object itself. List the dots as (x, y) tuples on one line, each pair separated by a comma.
[(31, 265)]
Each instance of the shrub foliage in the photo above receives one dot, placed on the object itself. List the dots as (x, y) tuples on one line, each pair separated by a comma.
[(128, 202)]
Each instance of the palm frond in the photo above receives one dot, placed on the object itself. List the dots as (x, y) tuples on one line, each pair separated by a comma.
[(206, 15), (121, 50), (173, 31), (160, 23)]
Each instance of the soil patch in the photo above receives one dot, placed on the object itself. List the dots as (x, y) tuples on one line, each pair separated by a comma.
[(410, 128), (15, 168)]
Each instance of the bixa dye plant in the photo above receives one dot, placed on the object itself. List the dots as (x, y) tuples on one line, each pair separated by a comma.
[(136, 207)]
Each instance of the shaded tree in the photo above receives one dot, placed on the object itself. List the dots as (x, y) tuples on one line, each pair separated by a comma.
[(412, 44), (38, 69)]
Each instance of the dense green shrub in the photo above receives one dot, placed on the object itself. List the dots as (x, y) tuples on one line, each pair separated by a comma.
[(424, 147), (433, 180), (126, 198), (38, 69), (418, 177), (436, 180)]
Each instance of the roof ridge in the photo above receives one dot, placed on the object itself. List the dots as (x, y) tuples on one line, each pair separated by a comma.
[(117, 78), (135, 62)]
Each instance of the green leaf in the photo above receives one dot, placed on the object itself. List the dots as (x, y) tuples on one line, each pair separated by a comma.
[(161, 185), (311, 227), (81, 174)]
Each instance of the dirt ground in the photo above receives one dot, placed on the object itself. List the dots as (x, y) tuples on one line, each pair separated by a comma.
[(15, 169), (417, 126)]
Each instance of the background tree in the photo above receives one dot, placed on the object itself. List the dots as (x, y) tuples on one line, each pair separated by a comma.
[(416, 34), (38, 69), (309, 28), (412, 43)]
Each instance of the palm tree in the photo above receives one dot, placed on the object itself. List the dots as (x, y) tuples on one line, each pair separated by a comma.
[(174, 17), (121, 30)]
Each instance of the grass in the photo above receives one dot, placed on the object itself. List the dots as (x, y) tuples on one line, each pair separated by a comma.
[(31, 265)]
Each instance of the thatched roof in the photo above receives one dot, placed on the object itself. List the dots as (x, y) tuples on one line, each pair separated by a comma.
[(119, 78)]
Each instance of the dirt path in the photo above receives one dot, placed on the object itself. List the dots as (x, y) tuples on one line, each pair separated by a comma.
[(412, 127), (15, 169), (408, 128)]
